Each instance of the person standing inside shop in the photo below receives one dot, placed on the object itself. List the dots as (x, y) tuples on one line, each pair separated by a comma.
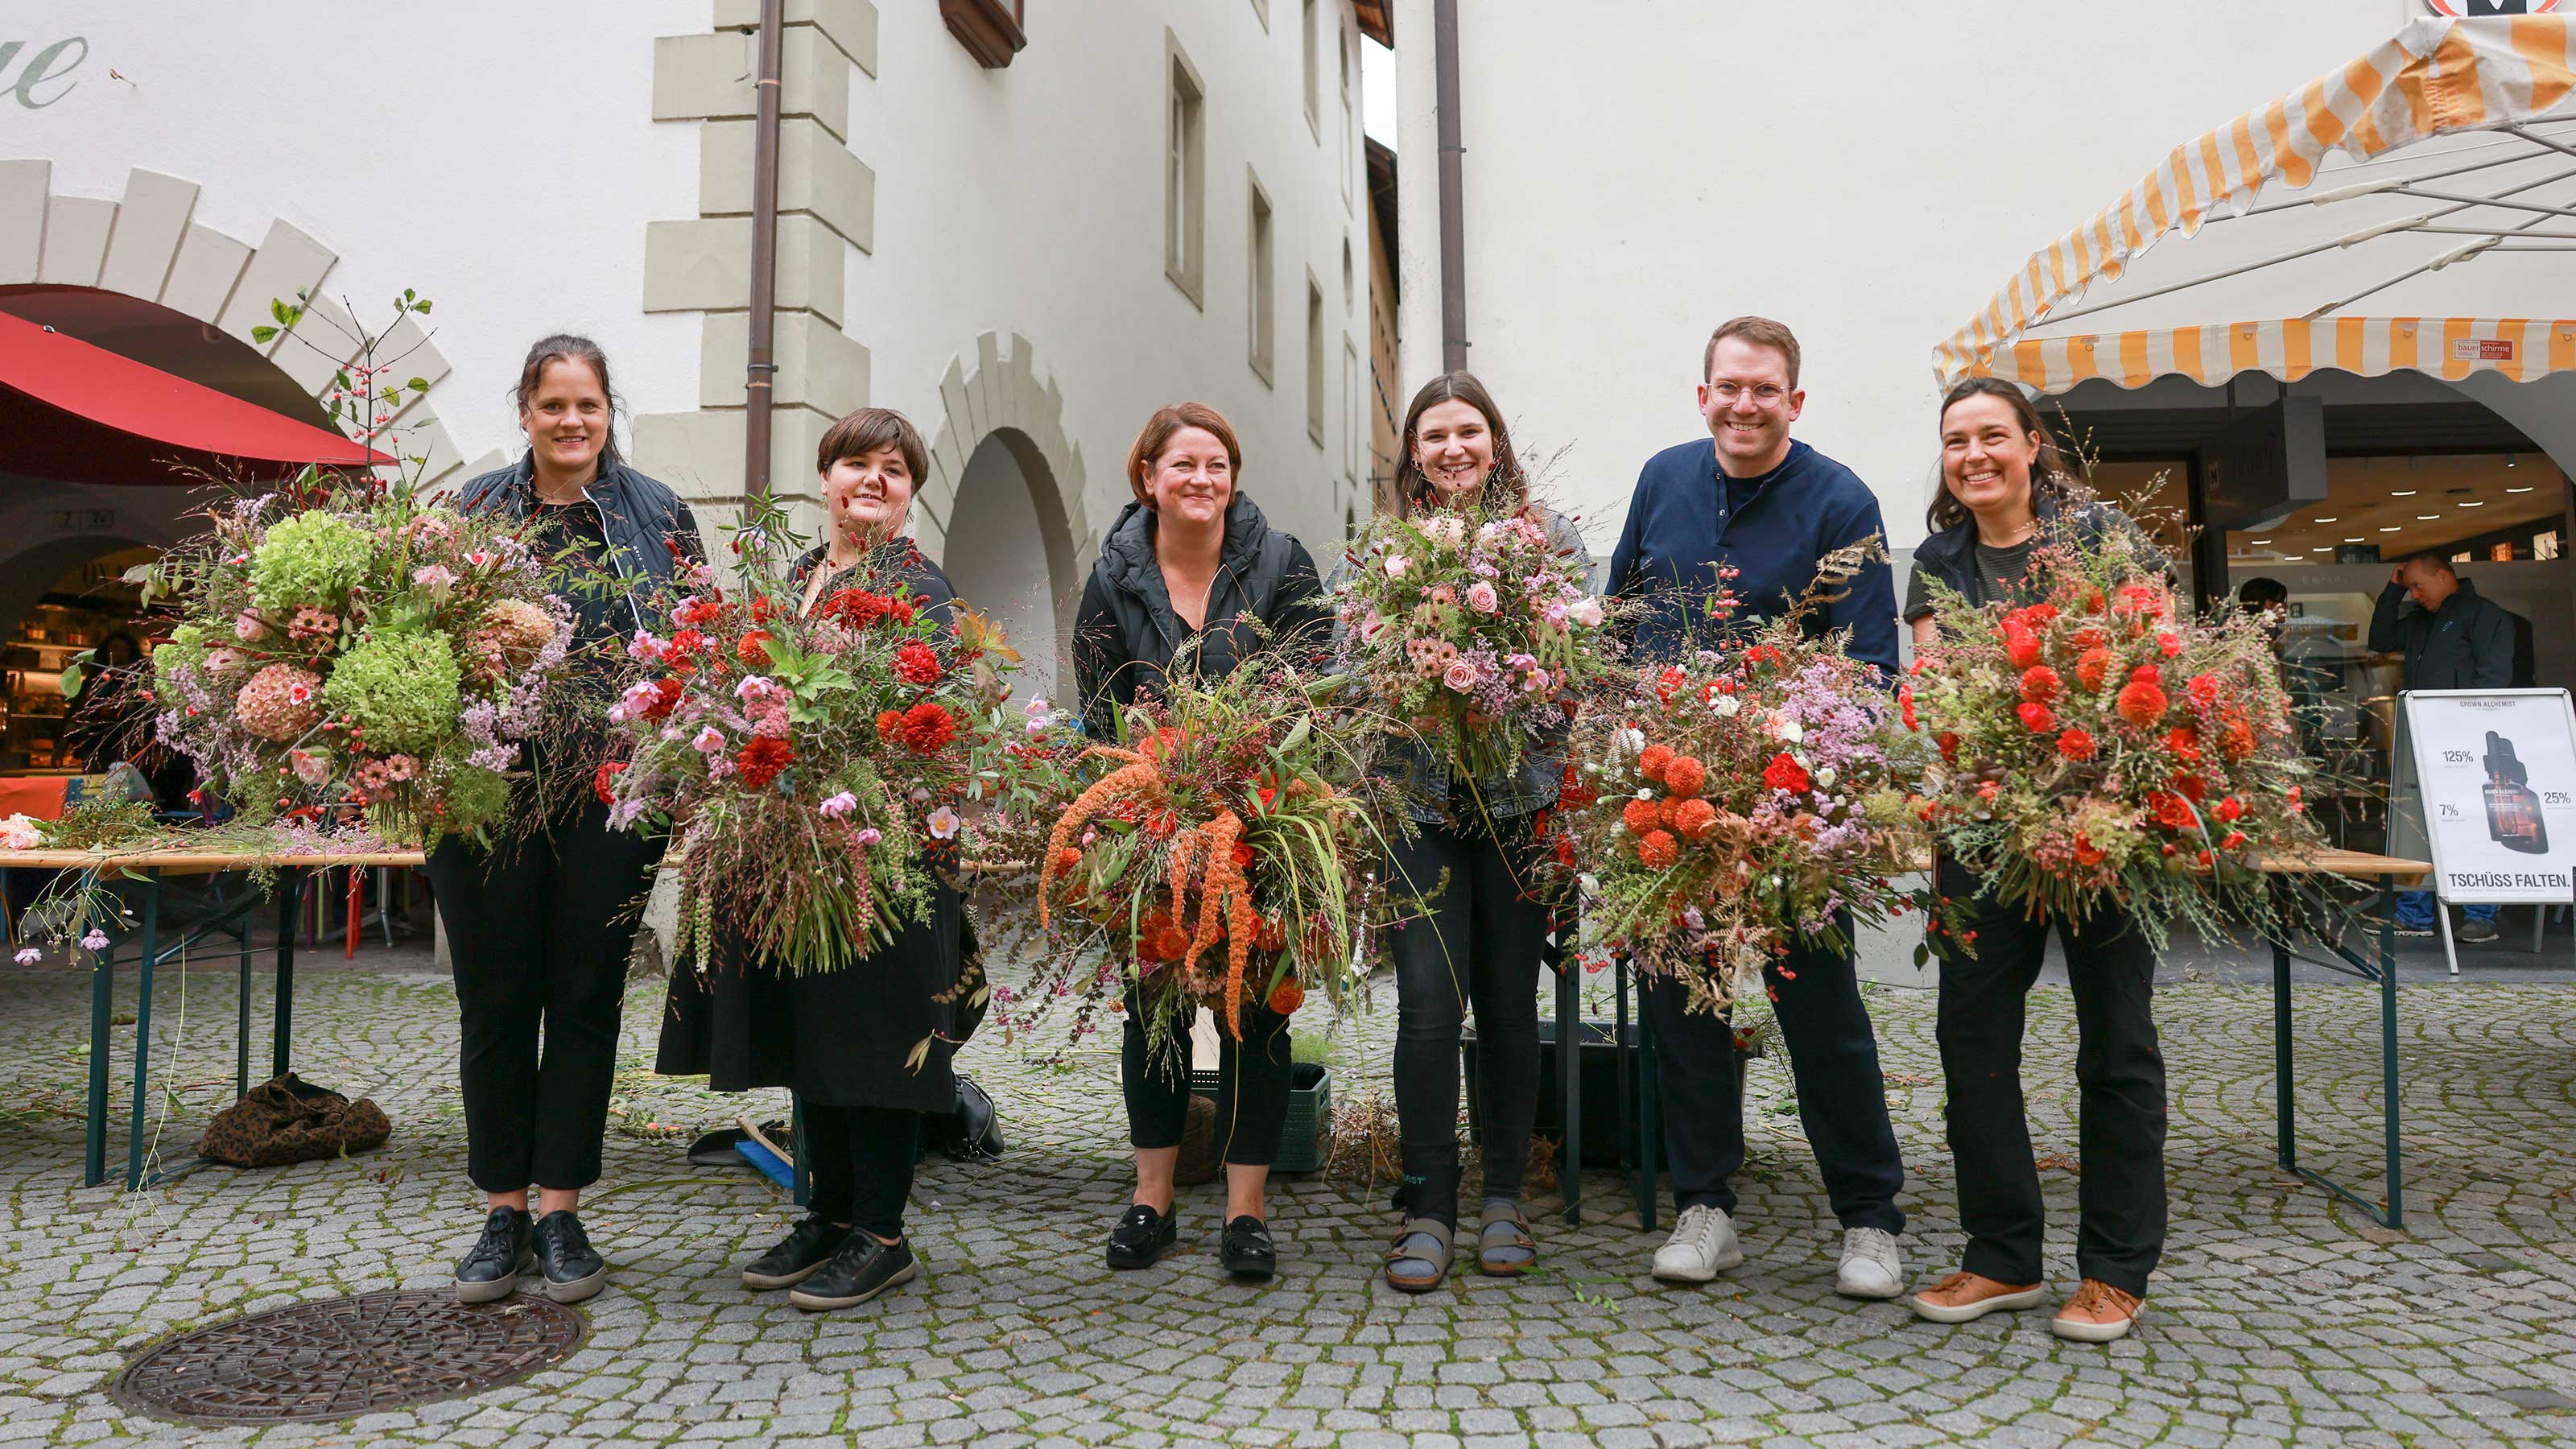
[(1750, 499), (1177, 574), (2452, 637), (841, 1040), (539, 927), (2006, 489)]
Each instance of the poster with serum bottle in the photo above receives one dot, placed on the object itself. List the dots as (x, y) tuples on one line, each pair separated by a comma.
[(2497, 771)]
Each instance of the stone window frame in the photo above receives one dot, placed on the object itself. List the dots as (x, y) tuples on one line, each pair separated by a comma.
[(1316, 402), (1261, 246), (1311, 67), (1184, 173)]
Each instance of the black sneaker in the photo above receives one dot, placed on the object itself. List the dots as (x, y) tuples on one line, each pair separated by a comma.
[(492, 1270), (1247, 1251), (574, 1270), (861, 1270), (1141, 1236), (808, 1247)]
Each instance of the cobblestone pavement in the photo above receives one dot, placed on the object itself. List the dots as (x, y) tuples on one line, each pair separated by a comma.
[(2281, 1315)]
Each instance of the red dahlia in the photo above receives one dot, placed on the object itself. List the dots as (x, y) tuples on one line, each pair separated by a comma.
[(927, 727), (604, 783), (760, 762), (916, 663)]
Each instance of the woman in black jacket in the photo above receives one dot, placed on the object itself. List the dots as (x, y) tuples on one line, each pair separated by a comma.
[(1472, 863), (2005, 488), (840, 1039), (539, 931), (1185, 564)]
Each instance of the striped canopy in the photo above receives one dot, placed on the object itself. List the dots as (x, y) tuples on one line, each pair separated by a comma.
[(2472, 198)]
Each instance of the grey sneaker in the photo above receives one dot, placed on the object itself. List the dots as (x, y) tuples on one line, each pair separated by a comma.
[(1702, 1246), (2476, 932), (1870, 1267)]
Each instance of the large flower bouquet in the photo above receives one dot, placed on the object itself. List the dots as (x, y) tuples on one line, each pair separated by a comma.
[(1470, 627), (1213, 852), (346, 643), (815, 768), (1734, 800), (2102, 745)]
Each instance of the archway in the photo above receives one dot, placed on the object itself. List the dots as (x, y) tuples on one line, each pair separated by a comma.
[(1010, 555)]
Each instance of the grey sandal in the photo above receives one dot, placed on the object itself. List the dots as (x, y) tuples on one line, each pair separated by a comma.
[(1504, 1246), (1418, 1260)]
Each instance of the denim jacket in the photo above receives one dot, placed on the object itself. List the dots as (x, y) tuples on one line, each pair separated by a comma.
[(1424, 776)]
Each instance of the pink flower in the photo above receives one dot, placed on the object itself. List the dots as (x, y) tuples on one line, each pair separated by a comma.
[(839, 805), (1536, 683), (435, 577), (943, 823), (1586, 612), (249, 628), (1554, 613), (870, 836), (29, 956), (1395, 566), (644, 646), (96, 940), (1482, 598), (481, 558), (1460, 676), (756, 686), (709, 740)]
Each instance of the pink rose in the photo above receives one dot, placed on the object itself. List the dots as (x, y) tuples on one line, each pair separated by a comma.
[(249, 627), (1482, 598), (1395, 566), (1461, 676)]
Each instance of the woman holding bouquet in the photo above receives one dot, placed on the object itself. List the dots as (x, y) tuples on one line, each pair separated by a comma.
[(1473, 863), (841, 1039), (539, 931), (2005, 489), (1187, 566)]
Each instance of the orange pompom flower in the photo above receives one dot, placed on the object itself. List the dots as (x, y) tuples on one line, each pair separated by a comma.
[(1656, 849), (1685, 777)]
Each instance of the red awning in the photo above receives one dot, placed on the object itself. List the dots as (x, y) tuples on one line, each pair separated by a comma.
[(76, 412)]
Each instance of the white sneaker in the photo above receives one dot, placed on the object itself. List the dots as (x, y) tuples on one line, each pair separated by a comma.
[(1702, 1245), (1870, 1268)]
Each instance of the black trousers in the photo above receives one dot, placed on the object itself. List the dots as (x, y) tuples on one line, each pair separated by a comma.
[(1251, 1090), (861, 1159), (1833, 1056), (2119, 1071), (1475, 941), (539, 939)]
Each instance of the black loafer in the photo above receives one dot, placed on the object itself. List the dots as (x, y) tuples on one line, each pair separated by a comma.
[(574, 1270), (491, 1271), (861, 1270), (1142, 1236), (1247, 1251), (808, 1247)]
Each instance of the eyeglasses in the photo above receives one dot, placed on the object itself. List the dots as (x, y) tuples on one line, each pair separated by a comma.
[(1764, 394)]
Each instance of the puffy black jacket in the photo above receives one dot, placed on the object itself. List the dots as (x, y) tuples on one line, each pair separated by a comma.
[(1125, 634), (642, 519), (1951, 554)]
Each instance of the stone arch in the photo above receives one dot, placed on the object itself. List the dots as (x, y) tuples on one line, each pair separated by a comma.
[(147, 244), (996, 422)]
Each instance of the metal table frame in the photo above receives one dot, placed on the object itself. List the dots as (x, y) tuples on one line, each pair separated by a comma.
[(2383, 971)]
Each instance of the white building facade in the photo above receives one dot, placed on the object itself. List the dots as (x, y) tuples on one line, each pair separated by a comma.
[(1148, 201)]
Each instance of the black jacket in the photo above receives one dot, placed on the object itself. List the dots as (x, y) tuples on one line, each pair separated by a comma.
[(1951, 555), (1125, 634), (2467, 644), (643, 520)]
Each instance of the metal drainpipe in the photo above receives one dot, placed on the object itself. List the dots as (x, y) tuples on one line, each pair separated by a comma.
[(1453, 223), (761, 365)]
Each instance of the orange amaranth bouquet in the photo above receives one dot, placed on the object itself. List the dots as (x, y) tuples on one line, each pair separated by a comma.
[(2102, 745)]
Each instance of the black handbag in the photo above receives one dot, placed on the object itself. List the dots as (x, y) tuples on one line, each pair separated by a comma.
[(971, 1131)]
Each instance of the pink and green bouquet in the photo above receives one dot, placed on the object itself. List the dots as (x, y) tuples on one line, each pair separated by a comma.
[(343, 643), (1472, 628)]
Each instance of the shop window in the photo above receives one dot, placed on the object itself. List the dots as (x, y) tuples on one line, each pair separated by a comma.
[(1185, 175)]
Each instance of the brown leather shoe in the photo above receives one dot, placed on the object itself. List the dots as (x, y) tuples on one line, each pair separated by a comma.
[(1965, 1297), (2098, 1313)]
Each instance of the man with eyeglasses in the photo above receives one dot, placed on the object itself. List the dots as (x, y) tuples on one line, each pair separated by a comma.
[(1747, 498)]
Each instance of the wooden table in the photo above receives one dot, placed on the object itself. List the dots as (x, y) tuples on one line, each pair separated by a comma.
[(149, 868), (2380, 966)]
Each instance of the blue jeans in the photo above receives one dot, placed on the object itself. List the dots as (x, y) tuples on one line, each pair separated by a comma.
[(2415, 911)]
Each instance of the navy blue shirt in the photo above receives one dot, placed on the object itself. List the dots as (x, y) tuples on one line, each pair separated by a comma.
[(1687, 520)]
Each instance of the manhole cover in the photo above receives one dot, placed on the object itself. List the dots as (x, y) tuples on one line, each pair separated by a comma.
[(344, 1357)]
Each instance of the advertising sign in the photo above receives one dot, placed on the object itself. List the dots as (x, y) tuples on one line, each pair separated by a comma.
[(2497, 771)]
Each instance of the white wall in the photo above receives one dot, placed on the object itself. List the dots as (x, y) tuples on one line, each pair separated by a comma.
[(1030, 200), (1866, 172), (503, 166)]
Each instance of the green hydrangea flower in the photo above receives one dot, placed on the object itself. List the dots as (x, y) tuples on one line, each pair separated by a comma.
[(476, 798), (186, 646), (398, 689), (311, 560)]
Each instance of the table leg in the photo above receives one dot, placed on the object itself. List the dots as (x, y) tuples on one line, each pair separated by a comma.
[(102, 1001), (290, 886), (2285, 1099), (1622, 1119), (143, 1025), (2388, 1047), (241, 1034), (1649, 1129), (1569, 1084), (802, 1171)]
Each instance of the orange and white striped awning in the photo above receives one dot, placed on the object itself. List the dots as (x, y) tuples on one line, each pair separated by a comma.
[(2437, 77)]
